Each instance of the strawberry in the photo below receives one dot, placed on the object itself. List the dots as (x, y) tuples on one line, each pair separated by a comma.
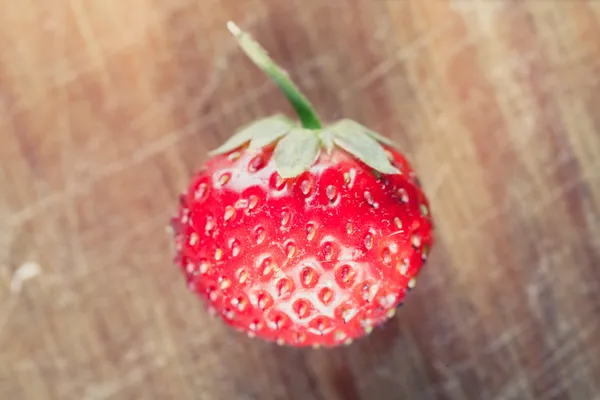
[(303, 235)]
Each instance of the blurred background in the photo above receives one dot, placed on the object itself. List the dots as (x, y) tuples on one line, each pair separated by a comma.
[(107, 107)]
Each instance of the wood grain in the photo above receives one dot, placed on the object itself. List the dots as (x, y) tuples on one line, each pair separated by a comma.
[(107, 107)]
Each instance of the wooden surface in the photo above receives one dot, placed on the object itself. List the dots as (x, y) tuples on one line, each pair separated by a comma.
[(107, 107)]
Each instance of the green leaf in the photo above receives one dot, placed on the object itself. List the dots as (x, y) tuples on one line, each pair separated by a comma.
[(263, 131), (296, 152), (351, 137), (377, 136), (269, 136), (326, 137)]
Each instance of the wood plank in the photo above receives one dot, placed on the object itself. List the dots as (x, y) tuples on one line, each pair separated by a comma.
[(107, 108)]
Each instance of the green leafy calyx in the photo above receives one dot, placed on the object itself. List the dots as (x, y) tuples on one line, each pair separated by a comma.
[(361, 143), (296, 152), (298, 148), (259, 133)]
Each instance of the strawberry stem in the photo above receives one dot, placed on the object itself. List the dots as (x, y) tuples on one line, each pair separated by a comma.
[(306, 113)]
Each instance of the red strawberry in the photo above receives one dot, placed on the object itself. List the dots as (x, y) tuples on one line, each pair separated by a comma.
[(304, 236)]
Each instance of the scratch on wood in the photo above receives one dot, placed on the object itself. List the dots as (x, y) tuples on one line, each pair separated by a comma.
[(110, 388), (92, 46), (405, 52), (452, 381), (506, 338), (5, 311), (438, 179)]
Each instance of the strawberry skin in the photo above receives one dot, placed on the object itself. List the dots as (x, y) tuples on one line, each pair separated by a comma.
[(318, 259)]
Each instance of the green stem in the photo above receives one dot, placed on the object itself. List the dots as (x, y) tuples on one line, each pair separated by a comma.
[(306, 113)]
